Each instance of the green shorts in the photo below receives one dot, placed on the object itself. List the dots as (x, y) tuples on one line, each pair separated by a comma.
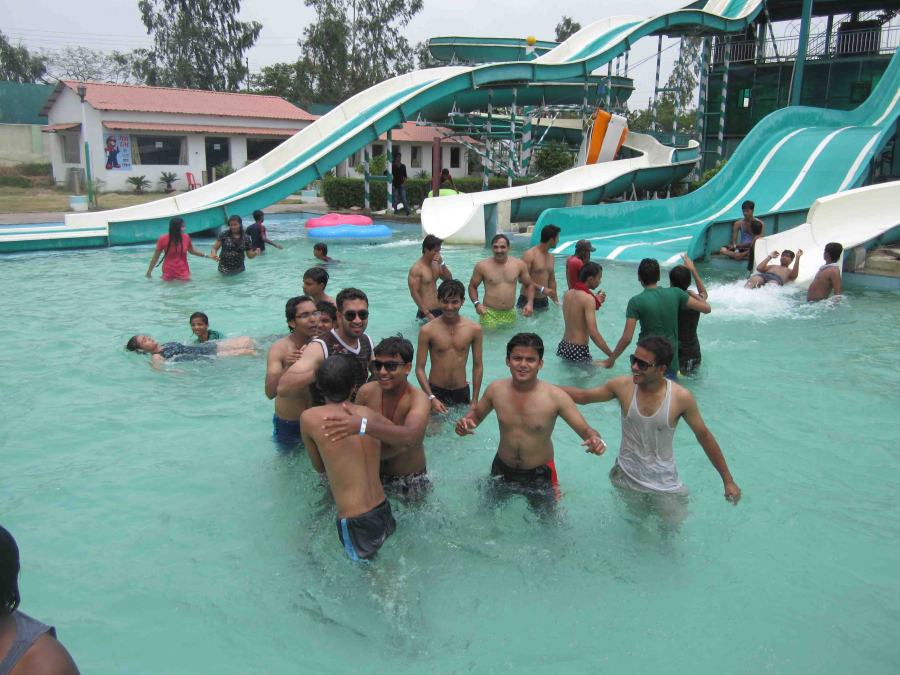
[(497, 317)]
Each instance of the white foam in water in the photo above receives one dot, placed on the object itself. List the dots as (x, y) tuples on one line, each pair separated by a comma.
[(402, 242), (761, 304)]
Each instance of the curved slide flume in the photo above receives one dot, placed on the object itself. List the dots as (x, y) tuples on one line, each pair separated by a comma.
[(787, 161), (362, 119)]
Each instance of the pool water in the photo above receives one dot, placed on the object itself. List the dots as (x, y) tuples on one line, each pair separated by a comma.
[(160, 531)]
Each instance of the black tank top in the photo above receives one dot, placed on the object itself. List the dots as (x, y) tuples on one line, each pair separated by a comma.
[(359, 360)]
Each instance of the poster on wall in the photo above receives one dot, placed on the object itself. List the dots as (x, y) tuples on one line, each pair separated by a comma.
[(118, 152)]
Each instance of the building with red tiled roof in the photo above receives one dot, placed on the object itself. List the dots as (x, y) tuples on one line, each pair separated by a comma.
[(414, 142), (135, 130)]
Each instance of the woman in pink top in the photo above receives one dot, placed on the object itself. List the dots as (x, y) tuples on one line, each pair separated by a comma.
[(177, 245)]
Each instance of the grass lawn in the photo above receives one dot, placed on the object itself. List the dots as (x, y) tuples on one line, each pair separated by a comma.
[(39, 200)]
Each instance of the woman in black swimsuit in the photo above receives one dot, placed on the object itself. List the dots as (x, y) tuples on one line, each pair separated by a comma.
[(175, 351), (233, 243)]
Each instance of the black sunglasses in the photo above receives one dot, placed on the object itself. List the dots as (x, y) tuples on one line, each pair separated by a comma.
[(641, 364), (350, 314), (390, 366)]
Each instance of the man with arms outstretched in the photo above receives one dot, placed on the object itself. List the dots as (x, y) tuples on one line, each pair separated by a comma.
[(423, 277), (282, 355), (351, 464), (448, 341), (651, 407), (527, 409), (540, 264), (778, 275), (580, 307), (499, 274)]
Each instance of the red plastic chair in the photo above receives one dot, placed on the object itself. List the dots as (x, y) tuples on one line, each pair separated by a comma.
[(192, 182)]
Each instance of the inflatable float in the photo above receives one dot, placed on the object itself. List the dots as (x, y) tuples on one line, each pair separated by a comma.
[(352, 233), (444, 192), (335, 219)]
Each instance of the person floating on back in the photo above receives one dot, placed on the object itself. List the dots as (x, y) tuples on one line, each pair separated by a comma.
[(257, 233), (540, 264), (743, 234), (499, 274), (351, 464), (201, 330), (175, 351), (423, 277), (580, 307), (828, 278), (777, 275), (688, 319)]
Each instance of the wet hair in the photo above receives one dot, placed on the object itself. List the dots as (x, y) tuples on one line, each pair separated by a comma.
[(790, 253), (834, 251), (133, 345), (9, 573), (175, 236), (317, 274), (321, 247), (396, 344), (756, 227), (445, 172), (549, 232), (661, 348), (328, 308), (498, 237), (258, 215), (236, 219), (526, 340), (430, 243), (349, 294), (199, 315), (648, 271), (589, 269), (747, 205), (290, 308), (680, 277), (452, 288), (335, 380)]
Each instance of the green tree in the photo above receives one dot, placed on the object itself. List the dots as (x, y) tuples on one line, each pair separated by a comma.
[(378, 50), (424, 59), (642, 120), (566, 28), (84, 64), (17, 64), (377, 165), (279, 79), (552, 159), (198, 44), (322, 74)]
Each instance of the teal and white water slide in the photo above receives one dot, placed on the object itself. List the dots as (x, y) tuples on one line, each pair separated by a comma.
[(790, 159), (557, 77)]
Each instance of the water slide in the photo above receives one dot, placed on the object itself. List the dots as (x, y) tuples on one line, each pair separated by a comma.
[(857, 217), (787, 161), (554, 78)]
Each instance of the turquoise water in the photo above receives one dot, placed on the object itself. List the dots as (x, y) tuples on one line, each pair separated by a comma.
[(161, 531)]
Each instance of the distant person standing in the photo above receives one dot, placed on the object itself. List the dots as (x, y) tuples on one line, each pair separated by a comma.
[(574, 262), (176, 245), (540, 266), (423, 276), (27, 646), (398, 186), (234, 242), (828, 278), (257, 233), (688, 319), (320, 252)]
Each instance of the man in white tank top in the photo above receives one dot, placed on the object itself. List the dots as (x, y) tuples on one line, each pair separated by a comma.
[(651, 407)]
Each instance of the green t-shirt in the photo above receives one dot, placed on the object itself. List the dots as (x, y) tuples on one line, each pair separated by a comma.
[(213, 335), (657, 310)]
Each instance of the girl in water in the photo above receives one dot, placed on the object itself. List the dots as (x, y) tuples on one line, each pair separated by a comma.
[(233, 243), (176, 245), (200, 328), (172, 351)]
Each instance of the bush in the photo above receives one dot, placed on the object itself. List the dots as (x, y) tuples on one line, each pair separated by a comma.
[(377, 165), (552, 159), (224, 169), (708, 175), (15, 181), (34, 169), (344, 193)]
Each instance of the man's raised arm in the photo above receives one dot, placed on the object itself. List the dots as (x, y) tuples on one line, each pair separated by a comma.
[(795, 270), (302, 373), (605, 392)]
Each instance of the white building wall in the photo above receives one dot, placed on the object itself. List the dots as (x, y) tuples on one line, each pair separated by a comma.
[(345, 168)]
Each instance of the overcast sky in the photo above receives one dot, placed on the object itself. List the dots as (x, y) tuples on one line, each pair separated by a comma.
[(101, 24)]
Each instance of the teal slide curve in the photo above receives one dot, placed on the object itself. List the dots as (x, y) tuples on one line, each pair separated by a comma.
[(361, 120), (786, 162)]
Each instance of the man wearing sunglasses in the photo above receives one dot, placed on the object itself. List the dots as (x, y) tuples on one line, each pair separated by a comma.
[(651, 407), (500, 273), (527, 410), (282, 355), (401, 429), (347, 340)]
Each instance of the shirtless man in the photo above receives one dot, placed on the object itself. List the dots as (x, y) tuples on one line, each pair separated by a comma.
[(828, 277), (423, 276), (448, 341), (500, 274), (646, 463), (776, 274), (283, 354), (315, 279), (527, 409), (540, 264), (402, 432), (351, 464), (742, 248), (580, 307)]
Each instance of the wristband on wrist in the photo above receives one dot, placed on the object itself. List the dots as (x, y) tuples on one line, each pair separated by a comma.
[(431, 396), (442, 264), (542, 289), (362, 426), (477, 302)]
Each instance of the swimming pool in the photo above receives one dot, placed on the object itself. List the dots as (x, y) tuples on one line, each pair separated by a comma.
[(161, 531)]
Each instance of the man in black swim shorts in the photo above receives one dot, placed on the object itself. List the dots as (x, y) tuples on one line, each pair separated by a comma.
[(540, 266)]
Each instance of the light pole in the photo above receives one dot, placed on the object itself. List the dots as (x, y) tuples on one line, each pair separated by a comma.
[(82, 92)]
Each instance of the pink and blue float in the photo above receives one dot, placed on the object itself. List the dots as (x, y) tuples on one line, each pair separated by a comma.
[(347, 228)]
